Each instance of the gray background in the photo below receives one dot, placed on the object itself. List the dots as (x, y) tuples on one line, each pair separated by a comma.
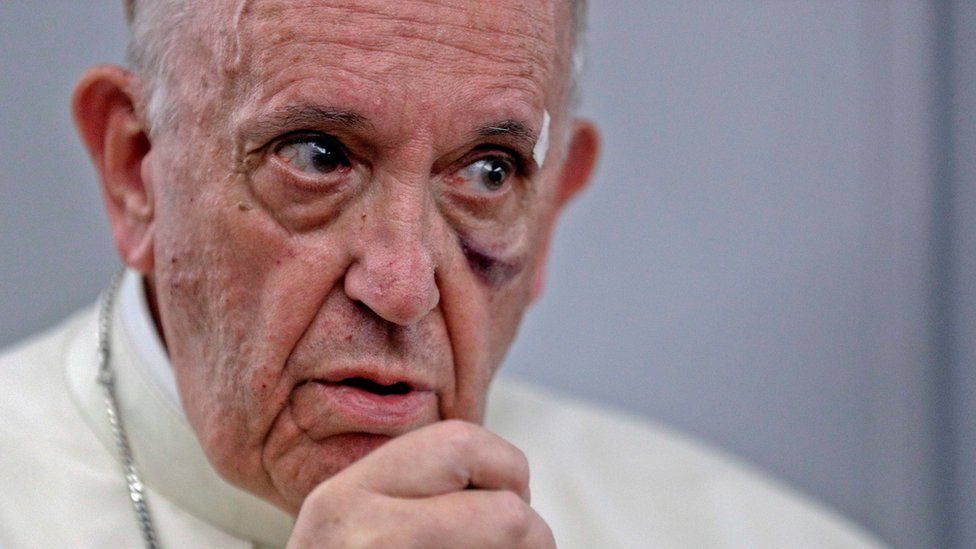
[(778, 254)]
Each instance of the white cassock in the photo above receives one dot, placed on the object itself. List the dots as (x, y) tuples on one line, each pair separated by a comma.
[(599, 479)]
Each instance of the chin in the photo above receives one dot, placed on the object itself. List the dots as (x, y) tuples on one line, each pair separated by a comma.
[(307, 463)]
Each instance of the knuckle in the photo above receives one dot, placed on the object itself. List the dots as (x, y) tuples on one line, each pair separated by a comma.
[(317, 514), (460, 437), (520, 466), (541, 537), (457, 427), (382, 538), (517, 514), (329, 498), (319, 498)]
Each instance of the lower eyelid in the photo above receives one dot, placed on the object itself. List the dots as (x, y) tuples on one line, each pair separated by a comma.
[(287, 175)]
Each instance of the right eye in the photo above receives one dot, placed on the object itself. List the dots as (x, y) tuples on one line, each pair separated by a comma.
[(314, 154)]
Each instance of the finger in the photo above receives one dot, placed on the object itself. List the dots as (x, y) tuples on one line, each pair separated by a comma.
[(478, 518), (444, 457)]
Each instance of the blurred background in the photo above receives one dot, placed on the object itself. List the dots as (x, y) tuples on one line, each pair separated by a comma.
[(777, 256)]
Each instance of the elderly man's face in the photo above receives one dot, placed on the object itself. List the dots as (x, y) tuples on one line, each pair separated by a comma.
[(349, 221)]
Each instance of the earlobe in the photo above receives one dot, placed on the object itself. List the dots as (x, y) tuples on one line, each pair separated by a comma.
[(575, 173), (104, 109)]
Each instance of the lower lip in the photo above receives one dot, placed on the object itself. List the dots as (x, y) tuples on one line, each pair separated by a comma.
[(365, 409)]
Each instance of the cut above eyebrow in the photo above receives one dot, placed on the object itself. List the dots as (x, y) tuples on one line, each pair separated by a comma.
[(512, 129)]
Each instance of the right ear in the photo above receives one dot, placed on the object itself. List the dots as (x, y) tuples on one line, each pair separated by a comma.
[(117, 139)]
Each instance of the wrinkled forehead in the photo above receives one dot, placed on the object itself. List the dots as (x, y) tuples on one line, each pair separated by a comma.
[(401, 50)]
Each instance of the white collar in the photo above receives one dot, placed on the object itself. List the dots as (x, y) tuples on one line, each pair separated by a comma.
[(137, 321), (164, 445)]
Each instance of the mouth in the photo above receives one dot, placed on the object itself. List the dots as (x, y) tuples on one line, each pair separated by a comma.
[(375, 405), (376, 388)]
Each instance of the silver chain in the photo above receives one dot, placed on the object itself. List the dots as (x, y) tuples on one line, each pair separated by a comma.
[(106, 377)]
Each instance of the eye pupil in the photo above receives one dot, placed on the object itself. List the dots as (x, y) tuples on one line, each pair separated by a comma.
[(495, 174), (314, 155), (325, 157)]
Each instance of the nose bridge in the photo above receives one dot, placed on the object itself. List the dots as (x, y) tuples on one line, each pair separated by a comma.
[(394, 268), (403, 212)]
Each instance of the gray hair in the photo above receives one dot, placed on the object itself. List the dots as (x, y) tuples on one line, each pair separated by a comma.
[(150, 52), (152, 43)]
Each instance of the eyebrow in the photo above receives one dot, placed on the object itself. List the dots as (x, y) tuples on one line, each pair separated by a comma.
[(309, 116), (319, 116), (512, 129)]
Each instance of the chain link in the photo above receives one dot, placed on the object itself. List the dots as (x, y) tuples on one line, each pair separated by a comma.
[(106, 378)]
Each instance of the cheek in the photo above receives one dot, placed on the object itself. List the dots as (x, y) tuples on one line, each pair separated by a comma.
[(482, 317), (507, 306), (236, 292)]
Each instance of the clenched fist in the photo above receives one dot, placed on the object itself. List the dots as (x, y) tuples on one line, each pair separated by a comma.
[(449, 484)]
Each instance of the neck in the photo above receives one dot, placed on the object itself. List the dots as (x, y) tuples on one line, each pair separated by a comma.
[(164, 446), (150, 293)]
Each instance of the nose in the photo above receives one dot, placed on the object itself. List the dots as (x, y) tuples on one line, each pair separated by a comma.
[(395, 260)]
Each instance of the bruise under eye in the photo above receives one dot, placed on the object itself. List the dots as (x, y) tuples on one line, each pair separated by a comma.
[(314, 155), (492, 270)]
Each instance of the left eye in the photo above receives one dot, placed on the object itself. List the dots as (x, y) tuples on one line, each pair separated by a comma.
[(487, 174), (317, 155)]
